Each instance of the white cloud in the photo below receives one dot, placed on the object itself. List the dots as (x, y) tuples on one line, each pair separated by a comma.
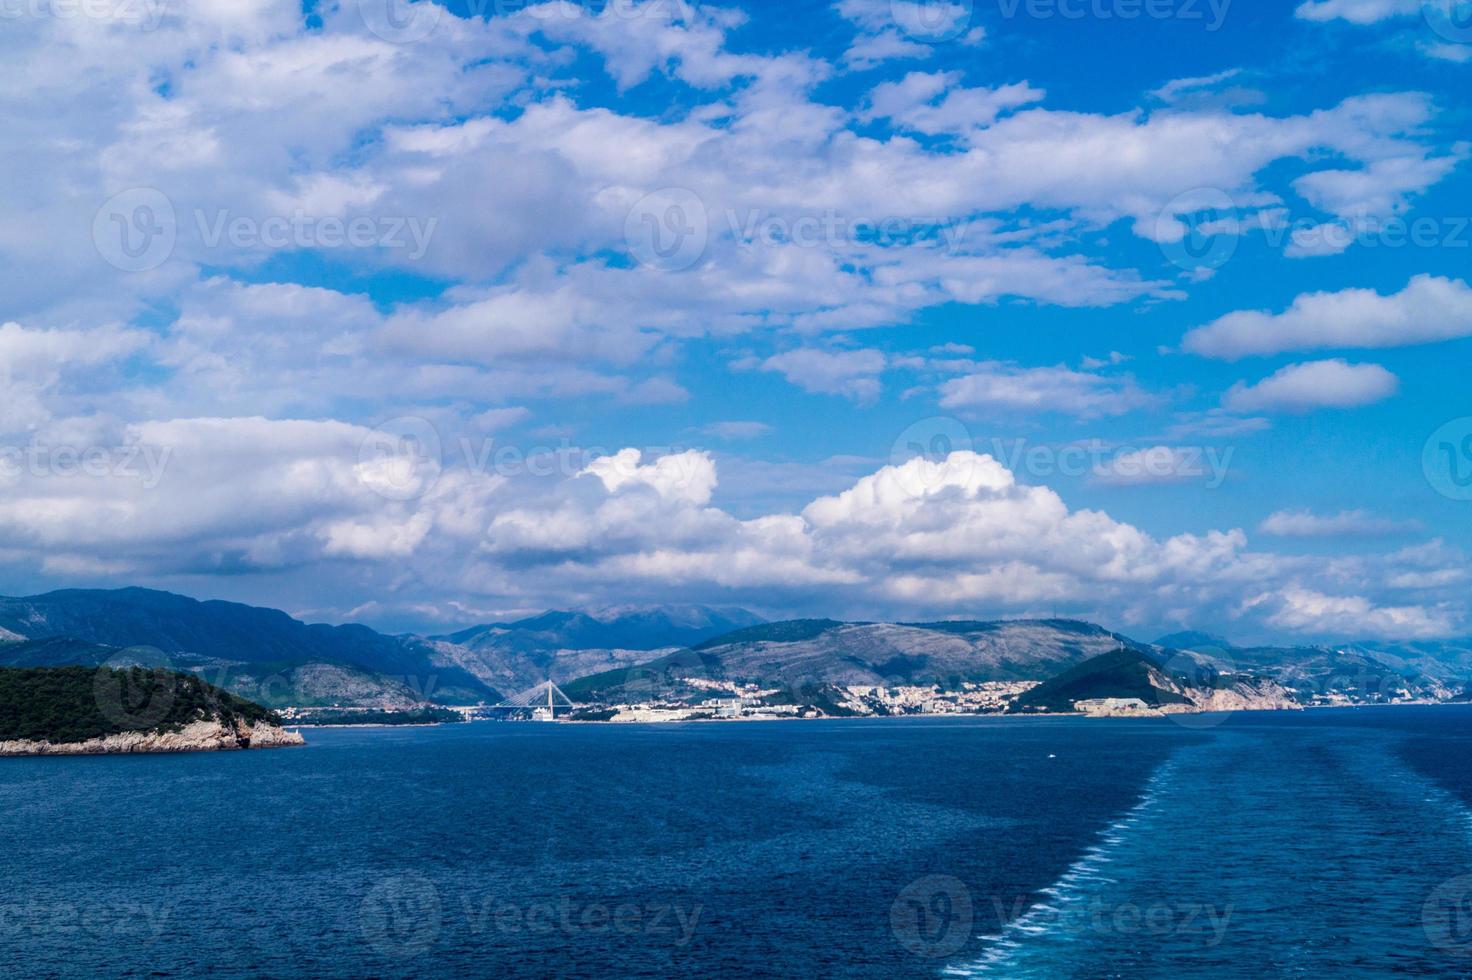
[(689, 476), (1164, 464), (1305, 610), (735, 429), (1427, 310), (1084, 394), (1357, 11), (935, 103), (895, 29), (917, 538), (1316, 384), (851, 373), (1346, 523)]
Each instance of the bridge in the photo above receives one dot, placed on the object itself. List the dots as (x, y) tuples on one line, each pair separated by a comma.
[(542, 700)]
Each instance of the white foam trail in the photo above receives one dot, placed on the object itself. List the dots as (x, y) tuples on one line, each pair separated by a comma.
[(1067, 890)]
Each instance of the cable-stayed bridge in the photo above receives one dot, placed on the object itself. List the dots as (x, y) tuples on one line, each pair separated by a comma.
[(542, 701)]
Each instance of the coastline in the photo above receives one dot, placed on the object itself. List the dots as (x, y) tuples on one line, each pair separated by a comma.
[(200, 736)]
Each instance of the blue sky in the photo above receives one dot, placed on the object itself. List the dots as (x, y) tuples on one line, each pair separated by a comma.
[(1149, 313)]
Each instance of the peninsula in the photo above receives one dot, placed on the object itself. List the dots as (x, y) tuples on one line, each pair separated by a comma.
[(99, 710)]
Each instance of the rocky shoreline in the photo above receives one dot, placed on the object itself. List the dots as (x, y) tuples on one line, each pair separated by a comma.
[(200, 736)]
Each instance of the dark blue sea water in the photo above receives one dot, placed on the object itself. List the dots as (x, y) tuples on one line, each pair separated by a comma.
[(1318, 844)]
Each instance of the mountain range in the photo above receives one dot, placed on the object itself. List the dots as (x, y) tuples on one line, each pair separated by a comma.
[(638, 653), (267, 655)]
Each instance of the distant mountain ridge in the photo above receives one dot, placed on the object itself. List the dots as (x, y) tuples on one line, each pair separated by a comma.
[(809, 654), (268, 656), (259, 652), (565, 645)]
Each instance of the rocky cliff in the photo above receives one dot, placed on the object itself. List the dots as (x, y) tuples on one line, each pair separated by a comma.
[(199, 736)]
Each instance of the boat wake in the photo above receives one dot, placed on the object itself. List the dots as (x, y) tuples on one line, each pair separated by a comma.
[(1064, 900)]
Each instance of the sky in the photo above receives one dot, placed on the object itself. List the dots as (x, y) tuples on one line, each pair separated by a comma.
[(1149, 312)]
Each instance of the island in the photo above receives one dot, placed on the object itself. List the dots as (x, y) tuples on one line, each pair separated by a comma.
[(100, 710)]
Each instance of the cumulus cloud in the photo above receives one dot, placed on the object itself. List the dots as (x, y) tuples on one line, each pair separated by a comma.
[(256, 368), (1316, 384), (689, 477), (1428, 309), (920, 537)]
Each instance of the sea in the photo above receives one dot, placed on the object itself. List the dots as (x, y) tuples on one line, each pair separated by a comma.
[(1323, 844)]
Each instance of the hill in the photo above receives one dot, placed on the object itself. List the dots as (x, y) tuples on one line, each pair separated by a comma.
[(565, 645), (50, 710), (1180, 683), (814, 655), (258, 652)]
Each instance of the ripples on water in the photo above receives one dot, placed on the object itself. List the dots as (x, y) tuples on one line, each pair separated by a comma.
[(1322, 844)]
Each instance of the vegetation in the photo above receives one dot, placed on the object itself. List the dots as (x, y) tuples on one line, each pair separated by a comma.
[(74, 704), (1121, 674), (791, 631), (413, 716)]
